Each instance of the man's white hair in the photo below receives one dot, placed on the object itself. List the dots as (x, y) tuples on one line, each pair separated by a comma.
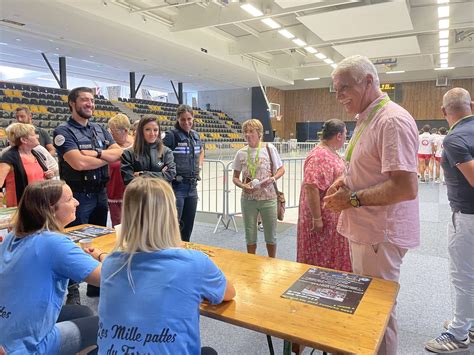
[(359, 66), (457, 99)]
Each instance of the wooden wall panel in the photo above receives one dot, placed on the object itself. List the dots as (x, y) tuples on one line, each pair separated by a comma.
[(422, 99)]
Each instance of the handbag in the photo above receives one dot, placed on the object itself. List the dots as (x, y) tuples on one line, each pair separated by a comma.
[(280, 195)]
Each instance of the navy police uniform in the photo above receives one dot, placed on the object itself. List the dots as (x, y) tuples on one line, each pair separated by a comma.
[(88, 186), (186, 149)]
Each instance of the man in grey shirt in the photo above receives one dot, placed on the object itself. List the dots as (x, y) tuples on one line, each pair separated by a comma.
[(23, 115)]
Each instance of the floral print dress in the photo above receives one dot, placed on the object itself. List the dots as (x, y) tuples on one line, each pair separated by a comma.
[(326, 248)]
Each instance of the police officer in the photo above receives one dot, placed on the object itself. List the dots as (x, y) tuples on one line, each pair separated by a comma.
[(84, 151), (188, 155)]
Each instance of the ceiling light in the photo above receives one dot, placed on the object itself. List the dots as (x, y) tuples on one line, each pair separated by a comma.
[(443, 11), (3, 44), (328, 61), (442, 67), (286, 33), (443, 24), (299, 42), (252, 10), (443, 56), (334, 66), (395, 72), (271, 23), (310, 79), (443, 49), (444, 42), (444, 34), (443, 61), (443, 1), (320, 56), (18, 39), (310, 50)]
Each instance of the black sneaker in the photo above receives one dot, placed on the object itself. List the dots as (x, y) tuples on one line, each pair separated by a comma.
[(73, 295), (92, 291)]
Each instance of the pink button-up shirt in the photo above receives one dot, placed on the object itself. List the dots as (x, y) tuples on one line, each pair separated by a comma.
[(389, 143)]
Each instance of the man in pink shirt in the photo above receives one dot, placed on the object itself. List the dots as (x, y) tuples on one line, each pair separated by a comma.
[(378, 194)]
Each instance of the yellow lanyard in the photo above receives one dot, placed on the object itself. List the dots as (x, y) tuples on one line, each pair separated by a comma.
[(252, 165), (364, 125), (454, 125)]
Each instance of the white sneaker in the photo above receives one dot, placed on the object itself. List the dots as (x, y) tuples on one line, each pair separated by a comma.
[(447, 323), (447, 343)]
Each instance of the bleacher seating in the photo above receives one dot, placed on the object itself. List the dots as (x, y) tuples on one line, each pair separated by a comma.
[(48, 105), (49, 108), (213, 126)]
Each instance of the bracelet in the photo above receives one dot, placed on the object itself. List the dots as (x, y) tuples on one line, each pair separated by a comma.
[(100, 256), (318, 219)]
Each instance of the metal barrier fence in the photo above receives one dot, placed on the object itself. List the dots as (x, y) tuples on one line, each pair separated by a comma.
[(227, 150), (218, 195)]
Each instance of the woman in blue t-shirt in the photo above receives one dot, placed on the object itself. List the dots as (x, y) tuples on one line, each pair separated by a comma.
[(36, 263), (151, 287)]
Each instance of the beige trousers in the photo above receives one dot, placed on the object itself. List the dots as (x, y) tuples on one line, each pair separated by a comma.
[(381, 260)]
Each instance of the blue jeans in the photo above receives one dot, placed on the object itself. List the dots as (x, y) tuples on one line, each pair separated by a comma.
[(78, 327), (186, 204), (92, 209)]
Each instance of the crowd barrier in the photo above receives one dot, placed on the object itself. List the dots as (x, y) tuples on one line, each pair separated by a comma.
[(227, 150), (219, 196)]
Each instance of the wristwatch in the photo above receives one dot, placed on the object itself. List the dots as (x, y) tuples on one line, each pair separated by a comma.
[(99, 153), (354, 200)]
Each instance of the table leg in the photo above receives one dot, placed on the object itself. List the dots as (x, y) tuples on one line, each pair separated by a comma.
[(287, 347), (270, 345)]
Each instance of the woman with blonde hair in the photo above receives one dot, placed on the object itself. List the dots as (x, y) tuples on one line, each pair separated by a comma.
[(36, 262), (20, 165), (152, 286), (148, 156), (119, 127), (261, 166)]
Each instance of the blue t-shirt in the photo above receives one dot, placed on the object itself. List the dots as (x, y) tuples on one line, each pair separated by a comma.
[(160, 314), (459, 148), (34, 274)]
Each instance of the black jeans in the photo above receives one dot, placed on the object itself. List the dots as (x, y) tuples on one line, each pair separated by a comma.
[(186, 203)]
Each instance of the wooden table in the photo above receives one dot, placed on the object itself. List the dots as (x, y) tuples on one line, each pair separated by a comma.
[(260, 281)]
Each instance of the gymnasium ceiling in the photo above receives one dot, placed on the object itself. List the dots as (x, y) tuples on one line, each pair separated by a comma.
[(215, 44)]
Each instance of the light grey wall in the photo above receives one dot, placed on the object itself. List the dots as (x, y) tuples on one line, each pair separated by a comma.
[(237, 103)]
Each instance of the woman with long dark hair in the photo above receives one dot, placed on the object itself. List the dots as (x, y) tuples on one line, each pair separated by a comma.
[(148, 156)]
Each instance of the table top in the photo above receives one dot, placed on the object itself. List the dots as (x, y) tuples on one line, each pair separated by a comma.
[(260, 281)]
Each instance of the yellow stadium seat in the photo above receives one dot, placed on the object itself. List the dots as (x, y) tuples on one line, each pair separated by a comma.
[(43, 109), (34, 108), (6, 106)]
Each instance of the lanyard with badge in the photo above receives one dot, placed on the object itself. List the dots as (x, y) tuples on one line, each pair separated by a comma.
[(252, 165), (356, 137)]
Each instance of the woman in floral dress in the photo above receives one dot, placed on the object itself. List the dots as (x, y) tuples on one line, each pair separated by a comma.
[(319, 243)]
